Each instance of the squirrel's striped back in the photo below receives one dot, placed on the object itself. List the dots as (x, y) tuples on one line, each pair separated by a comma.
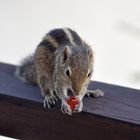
[(61, 37)]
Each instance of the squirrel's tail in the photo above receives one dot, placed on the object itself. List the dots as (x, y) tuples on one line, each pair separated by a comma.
[(26, 71)]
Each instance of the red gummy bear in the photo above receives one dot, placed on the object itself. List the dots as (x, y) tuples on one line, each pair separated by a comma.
[(72, 102)]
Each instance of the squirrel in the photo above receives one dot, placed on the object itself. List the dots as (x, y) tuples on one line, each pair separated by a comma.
[(62, 65)]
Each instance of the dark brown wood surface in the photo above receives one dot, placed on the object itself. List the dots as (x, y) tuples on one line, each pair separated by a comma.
[(27, 120), (115, 116), (119, 102)]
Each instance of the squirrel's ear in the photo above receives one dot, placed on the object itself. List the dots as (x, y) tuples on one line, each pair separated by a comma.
[(90, 54), (66, 53)]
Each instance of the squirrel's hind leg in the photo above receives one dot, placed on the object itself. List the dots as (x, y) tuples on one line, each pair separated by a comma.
[(94, 93), (26, 71)]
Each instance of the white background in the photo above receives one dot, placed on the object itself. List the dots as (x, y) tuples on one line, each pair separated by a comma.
[(5, 138), (112, 27)]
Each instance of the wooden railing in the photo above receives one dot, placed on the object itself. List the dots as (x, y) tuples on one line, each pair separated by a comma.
[(116, 116)]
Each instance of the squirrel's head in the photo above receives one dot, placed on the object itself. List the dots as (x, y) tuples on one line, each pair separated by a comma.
[(74, 70)]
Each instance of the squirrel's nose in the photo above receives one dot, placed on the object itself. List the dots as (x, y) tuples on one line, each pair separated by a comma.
[(70, 92)]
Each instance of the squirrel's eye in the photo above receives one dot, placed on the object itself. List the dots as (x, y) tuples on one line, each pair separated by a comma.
[(68, 72), (88, 75)]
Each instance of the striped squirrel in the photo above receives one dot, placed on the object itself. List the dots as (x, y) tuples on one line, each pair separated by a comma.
[(62, 62)]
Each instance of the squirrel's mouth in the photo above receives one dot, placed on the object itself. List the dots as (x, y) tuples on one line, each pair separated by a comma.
[(70, 93)]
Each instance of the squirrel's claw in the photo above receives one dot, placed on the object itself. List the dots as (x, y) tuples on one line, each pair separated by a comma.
[(49, 100), (95, 93), (78, 108), (46, 104), (65, 108)]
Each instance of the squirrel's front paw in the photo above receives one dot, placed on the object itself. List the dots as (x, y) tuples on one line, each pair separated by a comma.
[(65, 108), (78, 108), (49, 100)]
